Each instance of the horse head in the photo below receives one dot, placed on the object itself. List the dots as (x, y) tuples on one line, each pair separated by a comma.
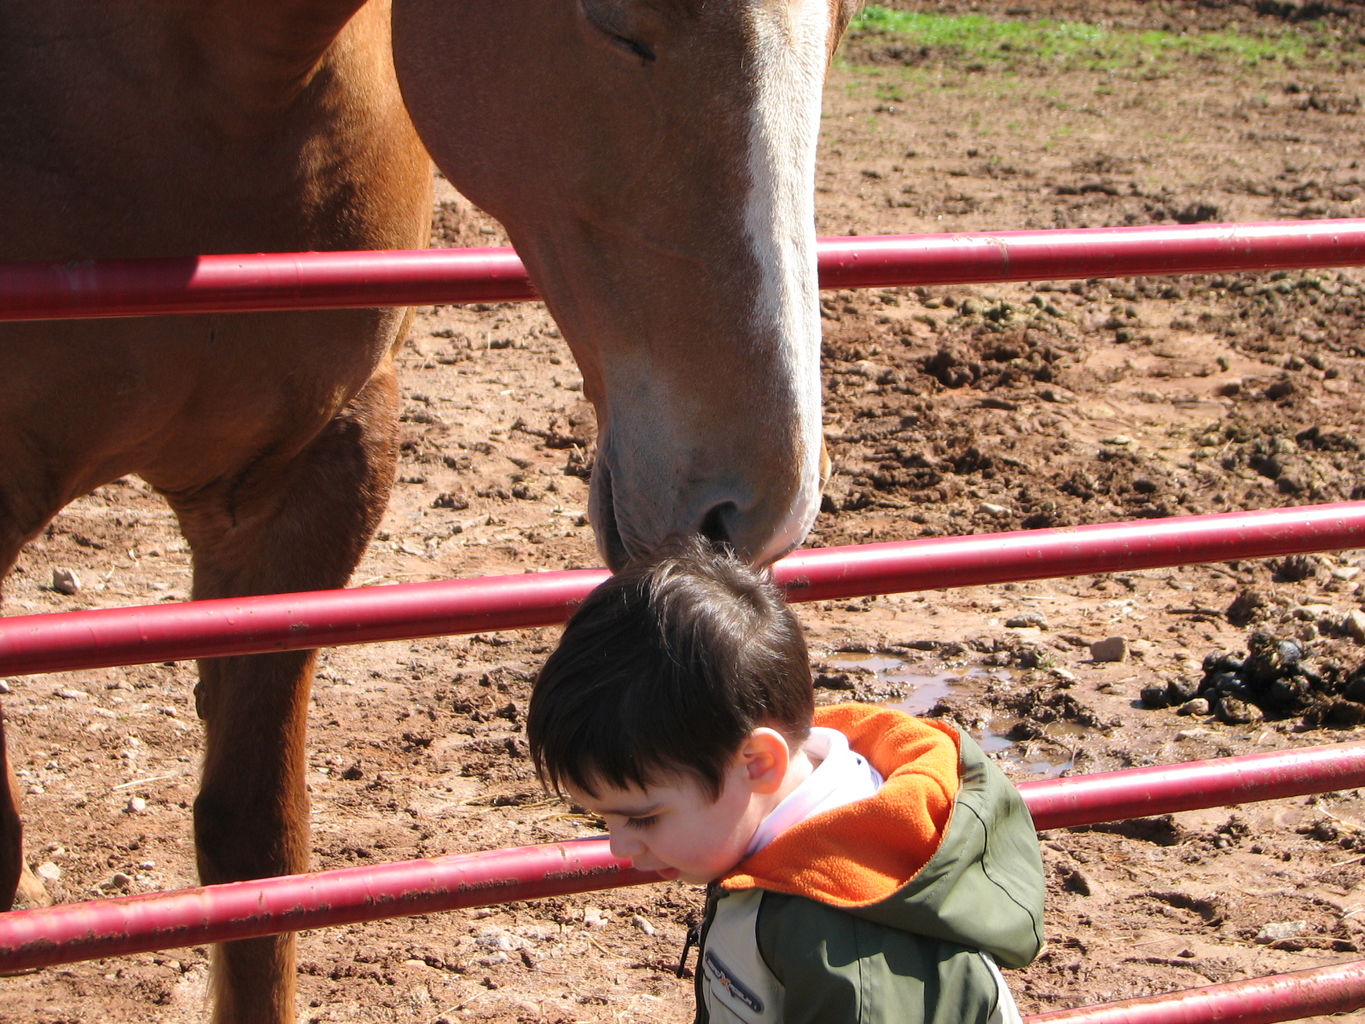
[(653, 163)]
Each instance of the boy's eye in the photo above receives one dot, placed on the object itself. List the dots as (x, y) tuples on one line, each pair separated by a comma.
[(642, 822)]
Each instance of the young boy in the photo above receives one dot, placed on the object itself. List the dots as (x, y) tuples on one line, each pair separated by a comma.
[(864, 865)]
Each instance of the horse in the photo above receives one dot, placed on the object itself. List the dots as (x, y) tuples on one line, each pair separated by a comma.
[(652, 162)]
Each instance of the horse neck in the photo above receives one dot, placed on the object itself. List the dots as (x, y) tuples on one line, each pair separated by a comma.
[(248, 56), (266, 45)]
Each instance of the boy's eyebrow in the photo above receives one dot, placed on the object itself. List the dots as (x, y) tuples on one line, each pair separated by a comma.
[(631, 812)]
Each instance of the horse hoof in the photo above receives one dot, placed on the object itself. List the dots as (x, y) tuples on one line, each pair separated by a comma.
[(31, 891)]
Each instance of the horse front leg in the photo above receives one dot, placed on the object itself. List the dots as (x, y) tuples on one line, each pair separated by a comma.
[(251, 815), (300, 525), (11, 828), (18, 884)]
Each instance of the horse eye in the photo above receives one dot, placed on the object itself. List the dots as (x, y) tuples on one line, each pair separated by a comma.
[(632, 47), (612, 23)]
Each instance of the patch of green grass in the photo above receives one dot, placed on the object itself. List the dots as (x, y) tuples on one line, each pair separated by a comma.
[(977, 38)]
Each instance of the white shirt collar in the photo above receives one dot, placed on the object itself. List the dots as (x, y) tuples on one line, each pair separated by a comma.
[(841, 776)]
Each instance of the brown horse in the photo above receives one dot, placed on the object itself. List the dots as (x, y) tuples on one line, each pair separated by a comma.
[(653, 163)]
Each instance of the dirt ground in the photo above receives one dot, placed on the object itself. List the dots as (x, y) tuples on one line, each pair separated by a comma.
[(949, 411)]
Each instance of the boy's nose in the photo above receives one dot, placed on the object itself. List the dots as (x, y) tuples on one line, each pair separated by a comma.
[(624, 846)]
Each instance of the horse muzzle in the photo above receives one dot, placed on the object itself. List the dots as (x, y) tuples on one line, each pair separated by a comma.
[(636, 514)]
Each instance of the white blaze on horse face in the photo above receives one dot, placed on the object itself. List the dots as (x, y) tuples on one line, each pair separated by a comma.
[(792, 38)]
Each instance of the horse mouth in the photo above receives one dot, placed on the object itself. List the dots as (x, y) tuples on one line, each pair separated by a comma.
[(602, 514), (619, 544)]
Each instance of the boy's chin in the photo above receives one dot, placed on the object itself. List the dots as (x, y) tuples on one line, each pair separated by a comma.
[(679, 875)]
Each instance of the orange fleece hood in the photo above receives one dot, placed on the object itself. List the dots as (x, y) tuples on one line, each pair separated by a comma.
[(897, 831)]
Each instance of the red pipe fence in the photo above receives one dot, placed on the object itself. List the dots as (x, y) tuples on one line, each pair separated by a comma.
[(227, 626), (115, 288), (334, 280), (1339, 988), (239, 910)]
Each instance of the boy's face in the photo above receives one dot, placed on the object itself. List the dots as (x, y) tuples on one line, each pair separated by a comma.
[(675, 827)]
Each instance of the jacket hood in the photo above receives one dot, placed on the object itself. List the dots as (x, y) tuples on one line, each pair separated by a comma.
[(946, 848)]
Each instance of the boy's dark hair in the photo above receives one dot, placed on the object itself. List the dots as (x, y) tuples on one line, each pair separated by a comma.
[(664, 669)]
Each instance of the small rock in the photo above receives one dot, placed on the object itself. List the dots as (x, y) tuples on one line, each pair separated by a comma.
[(1292, 481), (1074, 880), (497, 939), (1290, 653), (1026, 620), (70, 694), (1222, 662), (641, 924), (1182, 689), (136, 805), (1198, 706), (120, 881), (1346, 573), (992, 509), (4, 687), (1246, 608), (1238, 712), (1354, 625), (1274, 931), (1295, 568), (446, 499), (594, 918), (1222, 684), (48, 871), (1311, 612), (65, 581), (1114, 648), (1155, 697)]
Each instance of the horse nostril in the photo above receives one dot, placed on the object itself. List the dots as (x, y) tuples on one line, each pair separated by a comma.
[(714, 527)]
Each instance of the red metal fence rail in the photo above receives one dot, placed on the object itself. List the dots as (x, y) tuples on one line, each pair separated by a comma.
[(134, 924), (174, 632), (333, 280), (1339, 988)]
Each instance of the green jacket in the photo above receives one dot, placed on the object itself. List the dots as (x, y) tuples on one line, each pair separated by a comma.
[(822, 952)]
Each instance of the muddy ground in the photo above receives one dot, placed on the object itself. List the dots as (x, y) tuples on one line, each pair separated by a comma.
[(949, 410)]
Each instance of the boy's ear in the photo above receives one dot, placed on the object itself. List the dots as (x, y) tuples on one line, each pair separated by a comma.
[(765, 755)]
